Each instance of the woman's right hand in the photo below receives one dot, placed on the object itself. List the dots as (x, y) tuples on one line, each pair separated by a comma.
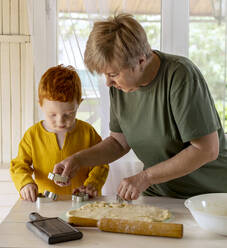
[(29, 192), (66, 168), (112, 148)]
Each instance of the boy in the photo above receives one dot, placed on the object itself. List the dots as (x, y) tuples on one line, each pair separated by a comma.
[(55, 138)]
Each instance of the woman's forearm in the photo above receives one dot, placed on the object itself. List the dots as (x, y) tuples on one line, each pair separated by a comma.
[(104, 152), (185, 162)]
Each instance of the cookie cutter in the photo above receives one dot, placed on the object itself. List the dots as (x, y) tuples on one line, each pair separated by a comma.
[(50, 195), (120, 200), (80, 196), (58, 178), (41, 198), (46, 197)]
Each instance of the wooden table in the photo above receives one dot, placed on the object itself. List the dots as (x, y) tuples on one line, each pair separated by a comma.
[(13, 231)]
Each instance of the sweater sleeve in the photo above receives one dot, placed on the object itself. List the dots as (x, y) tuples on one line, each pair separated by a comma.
[(98, 174), (97, 177), (20, 167)]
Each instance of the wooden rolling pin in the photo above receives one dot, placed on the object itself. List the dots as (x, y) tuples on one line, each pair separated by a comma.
[(131, 227)]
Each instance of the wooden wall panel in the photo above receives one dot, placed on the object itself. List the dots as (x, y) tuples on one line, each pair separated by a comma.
[(23, 14), (30, 87), (14, 17), (15, 97), (27, 82), (16, 77), (1, 10), (6, 85), (6, 103)]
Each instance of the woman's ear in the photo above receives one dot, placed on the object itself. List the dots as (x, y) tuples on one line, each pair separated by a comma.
[(142, 62)]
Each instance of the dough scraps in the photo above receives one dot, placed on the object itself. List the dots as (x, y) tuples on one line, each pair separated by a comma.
[(98, 210)]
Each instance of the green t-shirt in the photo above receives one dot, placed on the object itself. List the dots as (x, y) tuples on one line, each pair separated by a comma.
[(159, 120)]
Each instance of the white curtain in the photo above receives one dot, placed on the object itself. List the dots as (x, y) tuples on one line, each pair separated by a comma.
[(95, 107)]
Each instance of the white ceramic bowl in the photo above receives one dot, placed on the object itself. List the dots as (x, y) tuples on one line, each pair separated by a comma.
[(210, 211)]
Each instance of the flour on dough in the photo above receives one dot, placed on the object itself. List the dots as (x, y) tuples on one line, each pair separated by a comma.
[(98, 210)]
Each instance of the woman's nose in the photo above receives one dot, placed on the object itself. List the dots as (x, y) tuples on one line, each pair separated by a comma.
[(110, 82)]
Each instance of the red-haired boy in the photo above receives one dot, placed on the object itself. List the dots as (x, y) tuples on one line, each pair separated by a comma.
[(55, 138)]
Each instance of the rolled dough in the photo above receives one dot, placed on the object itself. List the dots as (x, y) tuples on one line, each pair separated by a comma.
[(98, 210)]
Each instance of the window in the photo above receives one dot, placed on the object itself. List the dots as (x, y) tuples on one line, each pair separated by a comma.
[(74, 28), (208, 48)]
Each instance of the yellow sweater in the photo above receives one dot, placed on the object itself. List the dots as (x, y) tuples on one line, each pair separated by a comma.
[(39, 152)]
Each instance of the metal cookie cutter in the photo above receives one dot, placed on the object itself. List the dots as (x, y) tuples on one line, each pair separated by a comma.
[(120, 200), (80, 196), (42, 199), (58, 178), (50, 195)]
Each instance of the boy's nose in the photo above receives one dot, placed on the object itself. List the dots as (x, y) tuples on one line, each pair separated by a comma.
[(60, 120)]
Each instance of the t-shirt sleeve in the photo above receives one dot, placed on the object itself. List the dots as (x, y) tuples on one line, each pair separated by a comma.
[(191, 104), (114, 123)]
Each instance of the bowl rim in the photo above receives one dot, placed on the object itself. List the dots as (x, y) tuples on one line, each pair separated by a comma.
[(186, 204)]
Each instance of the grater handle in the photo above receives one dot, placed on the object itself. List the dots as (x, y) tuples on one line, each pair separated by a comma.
[(35, 216)]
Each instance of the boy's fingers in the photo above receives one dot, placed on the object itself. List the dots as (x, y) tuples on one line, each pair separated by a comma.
[(90, 187), (22, 195), (88, 191), (94, 193), (91, 193), (91, 190), (34, 192), (27, 196), (82, 189), (76, 190), (30, 192)]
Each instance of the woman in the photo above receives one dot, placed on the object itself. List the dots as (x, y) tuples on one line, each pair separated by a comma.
[(161, 108)]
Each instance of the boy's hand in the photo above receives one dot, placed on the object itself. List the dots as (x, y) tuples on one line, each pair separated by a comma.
[(89, 189), (29, 192)]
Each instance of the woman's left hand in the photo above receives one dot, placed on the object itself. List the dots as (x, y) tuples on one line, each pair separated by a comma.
[(131, 187)]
